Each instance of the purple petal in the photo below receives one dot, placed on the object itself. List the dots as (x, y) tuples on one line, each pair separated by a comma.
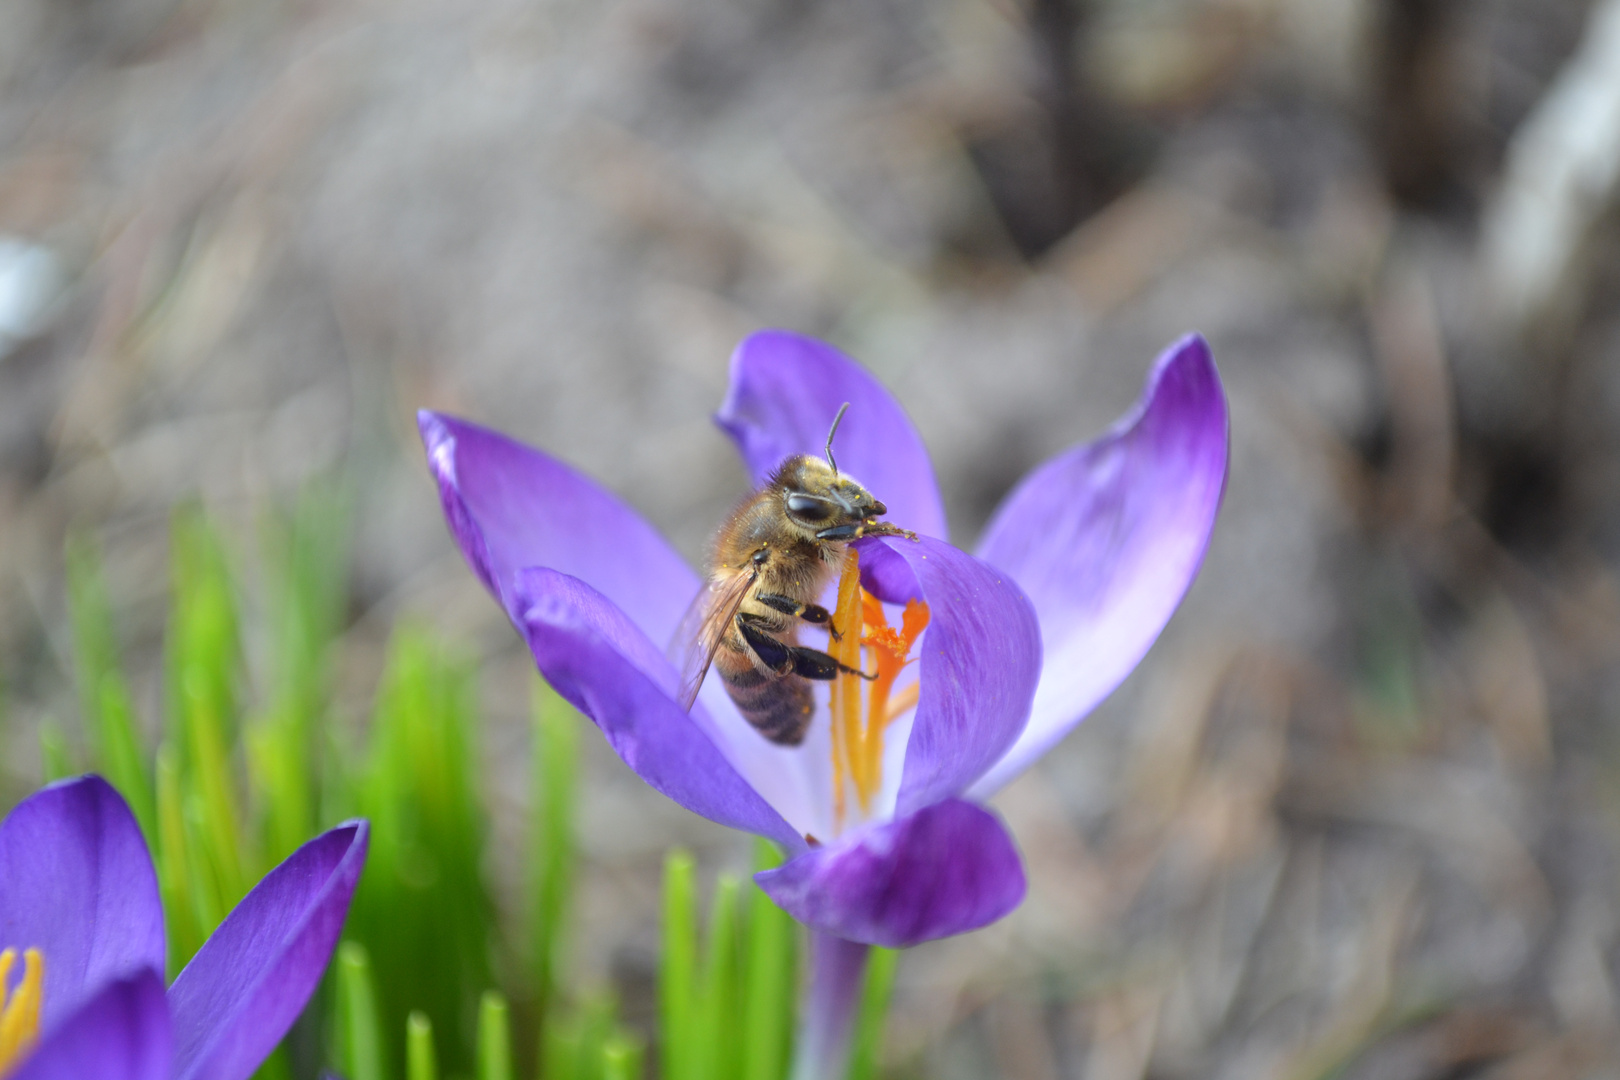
[(944, 870), (248, 983), (121, 1033), (1106, 537), (785, 391), (886, 575), (980, 662), (593, 656), (77, 884), (510, 506)]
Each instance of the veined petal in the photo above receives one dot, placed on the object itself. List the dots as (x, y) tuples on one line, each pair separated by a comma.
[(785, 390), (1105, 539), (77, 884), (596, 658), (980, 660), (944, 870), (122, 1032), (250, 980), (511, 506)]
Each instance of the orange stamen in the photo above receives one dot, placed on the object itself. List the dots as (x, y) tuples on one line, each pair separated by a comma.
[(19, 1016), (845, 702), (858, 621), (890, 650)]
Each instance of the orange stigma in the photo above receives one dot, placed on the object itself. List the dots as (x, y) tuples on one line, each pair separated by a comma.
[(19, 1009), (857, 735)]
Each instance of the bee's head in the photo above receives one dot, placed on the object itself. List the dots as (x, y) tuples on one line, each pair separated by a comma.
[(815, 497)]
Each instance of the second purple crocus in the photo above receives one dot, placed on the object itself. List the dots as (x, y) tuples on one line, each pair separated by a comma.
[(79, 908), (1076, 575)]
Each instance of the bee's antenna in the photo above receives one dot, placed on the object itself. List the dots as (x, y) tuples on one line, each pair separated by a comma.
[(833, 431)]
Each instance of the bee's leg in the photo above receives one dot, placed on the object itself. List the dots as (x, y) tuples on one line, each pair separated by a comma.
[(794, 659), (771, 652), (864, 528), (811, 613), (883, 528), (815, 664)]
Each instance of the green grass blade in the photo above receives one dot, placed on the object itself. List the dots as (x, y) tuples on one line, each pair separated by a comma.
[(560, 1048), (556, 764), (204, 667), (420, 1062), (716, 1039), (307, 562), (359, 1026), (306, 557), (598, 1024), (422, 907), (54, 757), (104, 696), (494, 1038), (90, 615), (621, 1058), (122, 761), (678, 984), (175, 874), (278, 1066), (867, 1043), (203, 646), (208, 787), (283, 780), (769, 974)]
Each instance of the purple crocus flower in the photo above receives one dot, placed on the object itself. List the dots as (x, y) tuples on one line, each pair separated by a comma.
[(1076, 575), (79, 905)]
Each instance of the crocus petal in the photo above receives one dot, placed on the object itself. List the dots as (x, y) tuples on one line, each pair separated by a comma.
[(980, 662), (1106, 537), (250, 980), (598, 660), (785, 391), (122, 1032), (944, 870), (511, 506), (77, 884), (838, 970)]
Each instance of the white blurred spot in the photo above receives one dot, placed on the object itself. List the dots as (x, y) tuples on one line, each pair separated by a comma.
[(1562, 174), (31, 281)]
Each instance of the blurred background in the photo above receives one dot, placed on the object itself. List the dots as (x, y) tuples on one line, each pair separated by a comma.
[(1357, 815)]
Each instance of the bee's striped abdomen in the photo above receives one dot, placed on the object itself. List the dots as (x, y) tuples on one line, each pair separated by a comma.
[(778, 706)]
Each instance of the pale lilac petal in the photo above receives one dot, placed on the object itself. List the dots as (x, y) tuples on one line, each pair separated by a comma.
[(121, 1032), (250, 980), (980, 659), (591, 653), (785, 390), (77, 884), (511, 506), (838, 970), (944, 870), (1106, 538)]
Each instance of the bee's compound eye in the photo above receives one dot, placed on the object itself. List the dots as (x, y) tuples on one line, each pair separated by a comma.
[(808, 507)]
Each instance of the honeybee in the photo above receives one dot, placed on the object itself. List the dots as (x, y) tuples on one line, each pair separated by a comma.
[(772, 560)]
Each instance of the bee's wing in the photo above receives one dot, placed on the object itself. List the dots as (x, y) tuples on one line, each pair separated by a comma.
[(705, 625)]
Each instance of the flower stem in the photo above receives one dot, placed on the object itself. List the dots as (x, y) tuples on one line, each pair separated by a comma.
[(837, 975)]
